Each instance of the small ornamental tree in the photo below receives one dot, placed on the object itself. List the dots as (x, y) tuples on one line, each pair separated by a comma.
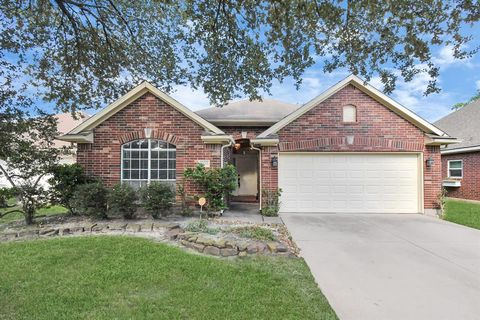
[(65, 178), (27, 151), (218, 184)]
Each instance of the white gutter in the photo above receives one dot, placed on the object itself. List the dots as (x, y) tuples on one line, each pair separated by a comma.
[(460, 150), (259, 175)]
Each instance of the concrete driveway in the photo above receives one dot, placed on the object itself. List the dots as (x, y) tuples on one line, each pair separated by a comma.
[(391, 266)]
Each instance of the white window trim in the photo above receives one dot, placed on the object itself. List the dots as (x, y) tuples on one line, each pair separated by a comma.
[(148, 180), (461, 168), (356, 113)]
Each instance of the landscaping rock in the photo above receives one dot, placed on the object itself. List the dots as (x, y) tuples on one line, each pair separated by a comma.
[(282, 248), (65, 231), (252, 248), (45, 231), (261, 247), (146, 227), (173, 233), (117, 226), (242, 246), (205, 241), (9, 236), (90, 227), (97, 228), (231, 244), (242, 254), (227, 252), (220, 243), (50, 233), (198, 247), (77, 229), (133, 227), (211, 250), (272, 246), (27, 233), (170, 226)]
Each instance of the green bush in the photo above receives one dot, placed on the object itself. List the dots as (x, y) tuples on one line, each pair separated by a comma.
[(5, 195), (64, 181), (271, 199), (254, 232), (90, 199), (157, 198), (218, 184), (122, 201), (201, 225)]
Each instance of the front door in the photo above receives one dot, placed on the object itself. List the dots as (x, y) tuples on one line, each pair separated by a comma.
[(247, 169)]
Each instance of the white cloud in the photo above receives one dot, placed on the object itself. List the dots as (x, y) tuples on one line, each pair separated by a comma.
[(446, 58), (193, 99)]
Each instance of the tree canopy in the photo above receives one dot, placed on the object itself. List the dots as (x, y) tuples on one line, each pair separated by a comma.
[(83, 53)]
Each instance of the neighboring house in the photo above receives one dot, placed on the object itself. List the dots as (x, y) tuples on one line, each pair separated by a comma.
[(65, 123), (461, 162), (351, 149)]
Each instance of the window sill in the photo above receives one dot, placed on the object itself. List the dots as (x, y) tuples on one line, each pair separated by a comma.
[(450, 182)]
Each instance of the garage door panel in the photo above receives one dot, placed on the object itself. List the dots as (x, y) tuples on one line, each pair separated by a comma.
[(349, 182)]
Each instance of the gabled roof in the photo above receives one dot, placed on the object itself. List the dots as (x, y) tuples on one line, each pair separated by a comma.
[(396, 107), (463, 124), (131, 96), (246, 112)]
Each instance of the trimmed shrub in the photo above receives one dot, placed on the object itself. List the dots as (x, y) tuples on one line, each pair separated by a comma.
[(90, 199), (122, 201), (64, 181), (157, 198), (272, 202)]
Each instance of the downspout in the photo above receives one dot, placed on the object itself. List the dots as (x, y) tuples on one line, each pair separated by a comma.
[(259, 175)]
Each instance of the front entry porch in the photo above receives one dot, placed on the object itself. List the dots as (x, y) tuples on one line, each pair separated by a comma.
[(246, 159)]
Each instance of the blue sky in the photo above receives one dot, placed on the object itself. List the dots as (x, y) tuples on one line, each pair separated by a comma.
[(459, 80)]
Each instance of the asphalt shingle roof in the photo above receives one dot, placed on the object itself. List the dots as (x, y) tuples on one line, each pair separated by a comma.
[(463, 124), (266, 110)]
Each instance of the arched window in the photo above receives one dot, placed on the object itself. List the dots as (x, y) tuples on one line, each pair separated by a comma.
[(148, 160), (349, 113)]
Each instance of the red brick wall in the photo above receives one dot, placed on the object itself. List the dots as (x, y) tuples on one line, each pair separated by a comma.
[(102, 158), (377, 129), (470, 183)]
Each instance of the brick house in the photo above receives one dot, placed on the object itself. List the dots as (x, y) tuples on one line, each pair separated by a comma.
[(461, 162), (351, 149)]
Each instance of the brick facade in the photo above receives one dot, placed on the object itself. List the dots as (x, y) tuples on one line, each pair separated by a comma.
[(102, 158), (321, 129), (377, 130), (470, 182)]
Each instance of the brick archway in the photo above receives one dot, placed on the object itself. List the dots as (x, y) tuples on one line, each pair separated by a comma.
[(155, 134)]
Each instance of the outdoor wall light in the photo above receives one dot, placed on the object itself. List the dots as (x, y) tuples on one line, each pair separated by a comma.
[(430, 162), (274, 161)]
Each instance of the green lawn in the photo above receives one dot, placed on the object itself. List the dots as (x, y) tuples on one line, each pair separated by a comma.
[(134, 278), (48, 211), (463, 212)]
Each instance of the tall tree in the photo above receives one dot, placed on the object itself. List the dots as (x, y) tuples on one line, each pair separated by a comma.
[(82, 53), (459, 105)]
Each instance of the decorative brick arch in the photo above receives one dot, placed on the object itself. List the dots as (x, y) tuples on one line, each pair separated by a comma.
[(369, 142), (155, 134)]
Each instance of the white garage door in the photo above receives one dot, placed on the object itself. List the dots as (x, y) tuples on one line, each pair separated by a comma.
[(359, 182)]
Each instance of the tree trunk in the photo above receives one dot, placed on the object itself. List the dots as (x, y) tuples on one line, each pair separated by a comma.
[(28, 218)]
